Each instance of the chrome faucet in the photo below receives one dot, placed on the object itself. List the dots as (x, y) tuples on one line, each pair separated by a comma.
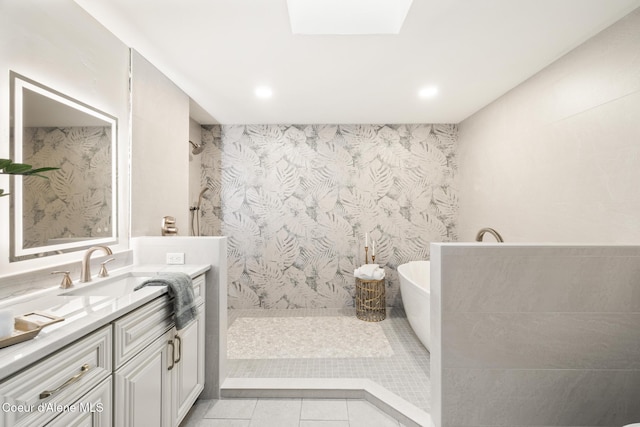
[(85, 273), (491, 231)]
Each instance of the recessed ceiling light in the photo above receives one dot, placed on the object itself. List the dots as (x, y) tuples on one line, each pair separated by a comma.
[(264, 92), (347, 16), (428, 92)]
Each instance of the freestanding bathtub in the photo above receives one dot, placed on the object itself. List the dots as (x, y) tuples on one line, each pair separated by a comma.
[(416, 297)]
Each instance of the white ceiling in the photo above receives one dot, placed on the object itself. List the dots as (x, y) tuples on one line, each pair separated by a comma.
[(218, 51)]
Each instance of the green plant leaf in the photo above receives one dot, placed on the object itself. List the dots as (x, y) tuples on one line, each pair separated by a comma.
[(38, 170), (7, 167), (17, 168)]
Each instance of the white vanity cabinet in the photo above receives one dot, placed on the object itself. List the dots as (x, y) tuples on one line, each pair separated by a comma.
[(136, 371), (63, 386), (159, 371)]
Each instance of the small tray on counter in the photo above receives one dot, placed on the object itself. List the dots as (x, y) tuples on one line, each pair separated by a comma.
[(28, 326)]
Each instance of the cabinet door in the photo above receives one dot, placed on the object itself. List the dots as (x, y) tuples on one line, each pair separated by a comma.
[(91, 410), (189, 370), (142, 392)]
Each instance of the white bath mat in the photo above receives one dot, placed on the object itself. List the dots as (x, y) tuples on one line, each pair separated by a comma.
[(305, 337)]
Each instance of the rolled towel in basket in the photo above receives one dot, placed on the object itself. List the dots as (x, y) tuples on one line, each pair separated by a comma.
[(369, 272), (378, 274)]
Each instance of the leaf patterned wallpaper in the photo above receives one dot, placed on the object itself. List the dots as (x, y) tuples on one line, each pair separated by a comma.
[(76, 200), (296, 201)]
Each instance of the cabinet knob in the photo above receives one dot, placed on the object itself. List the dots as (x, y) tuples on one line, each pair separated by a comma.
[(83, 370), (179, 345), (173, 360)]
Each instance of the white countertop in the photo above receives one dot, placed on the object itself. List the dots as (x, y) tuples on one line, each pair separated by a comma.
[(83, 314)]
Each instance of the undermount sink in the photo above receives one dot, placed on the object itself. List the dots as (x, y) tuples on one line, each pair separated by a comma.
[(115, 287)]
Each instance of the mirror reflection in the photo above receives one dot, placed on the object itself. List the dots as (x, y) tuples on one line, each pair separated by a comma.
[(75, 207)]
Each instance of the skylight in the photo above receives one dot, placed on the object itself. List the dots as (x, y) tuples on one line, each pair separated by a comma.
[(347, 16)]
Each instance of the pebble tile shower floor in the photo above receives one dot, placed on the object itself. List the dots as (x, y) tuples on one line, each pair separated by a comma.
[(405, 373)]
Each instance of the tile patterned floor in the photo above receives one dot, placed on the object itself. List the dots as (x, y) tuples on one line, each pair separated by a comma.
[(287, 413), (405, 373)]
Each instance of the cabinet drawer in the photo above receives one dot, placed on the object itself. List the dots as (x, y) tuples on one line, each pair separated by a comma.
[(135, 331), (42, 391), (93, 409)]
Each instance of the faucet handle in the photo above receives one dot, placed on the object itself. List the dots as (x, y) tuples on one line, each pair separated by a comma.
[(66, 279), (103, 268)]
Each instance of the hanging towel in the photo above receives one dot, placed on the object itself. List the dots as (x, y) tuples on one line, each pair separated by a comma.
[(180, 288)]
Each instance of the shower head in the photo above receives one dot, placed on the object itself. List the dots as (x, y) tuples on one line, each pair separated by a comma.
[(197, 148)]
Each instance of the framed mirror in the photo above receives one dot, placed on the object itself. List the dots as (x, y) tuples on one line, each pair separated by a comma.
[(76, 206)]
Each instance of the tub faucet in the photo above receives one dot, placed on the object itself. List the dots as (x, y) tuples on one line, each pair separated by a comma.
[(85, 273), (491, 231)]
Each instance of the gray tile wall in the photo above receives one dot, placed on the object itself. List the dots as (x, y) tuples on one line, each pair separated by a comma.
[(535, 335)]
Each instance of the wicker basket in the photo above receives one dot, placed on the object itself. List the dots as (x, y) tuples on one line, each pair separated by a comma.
[(370, 300)]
